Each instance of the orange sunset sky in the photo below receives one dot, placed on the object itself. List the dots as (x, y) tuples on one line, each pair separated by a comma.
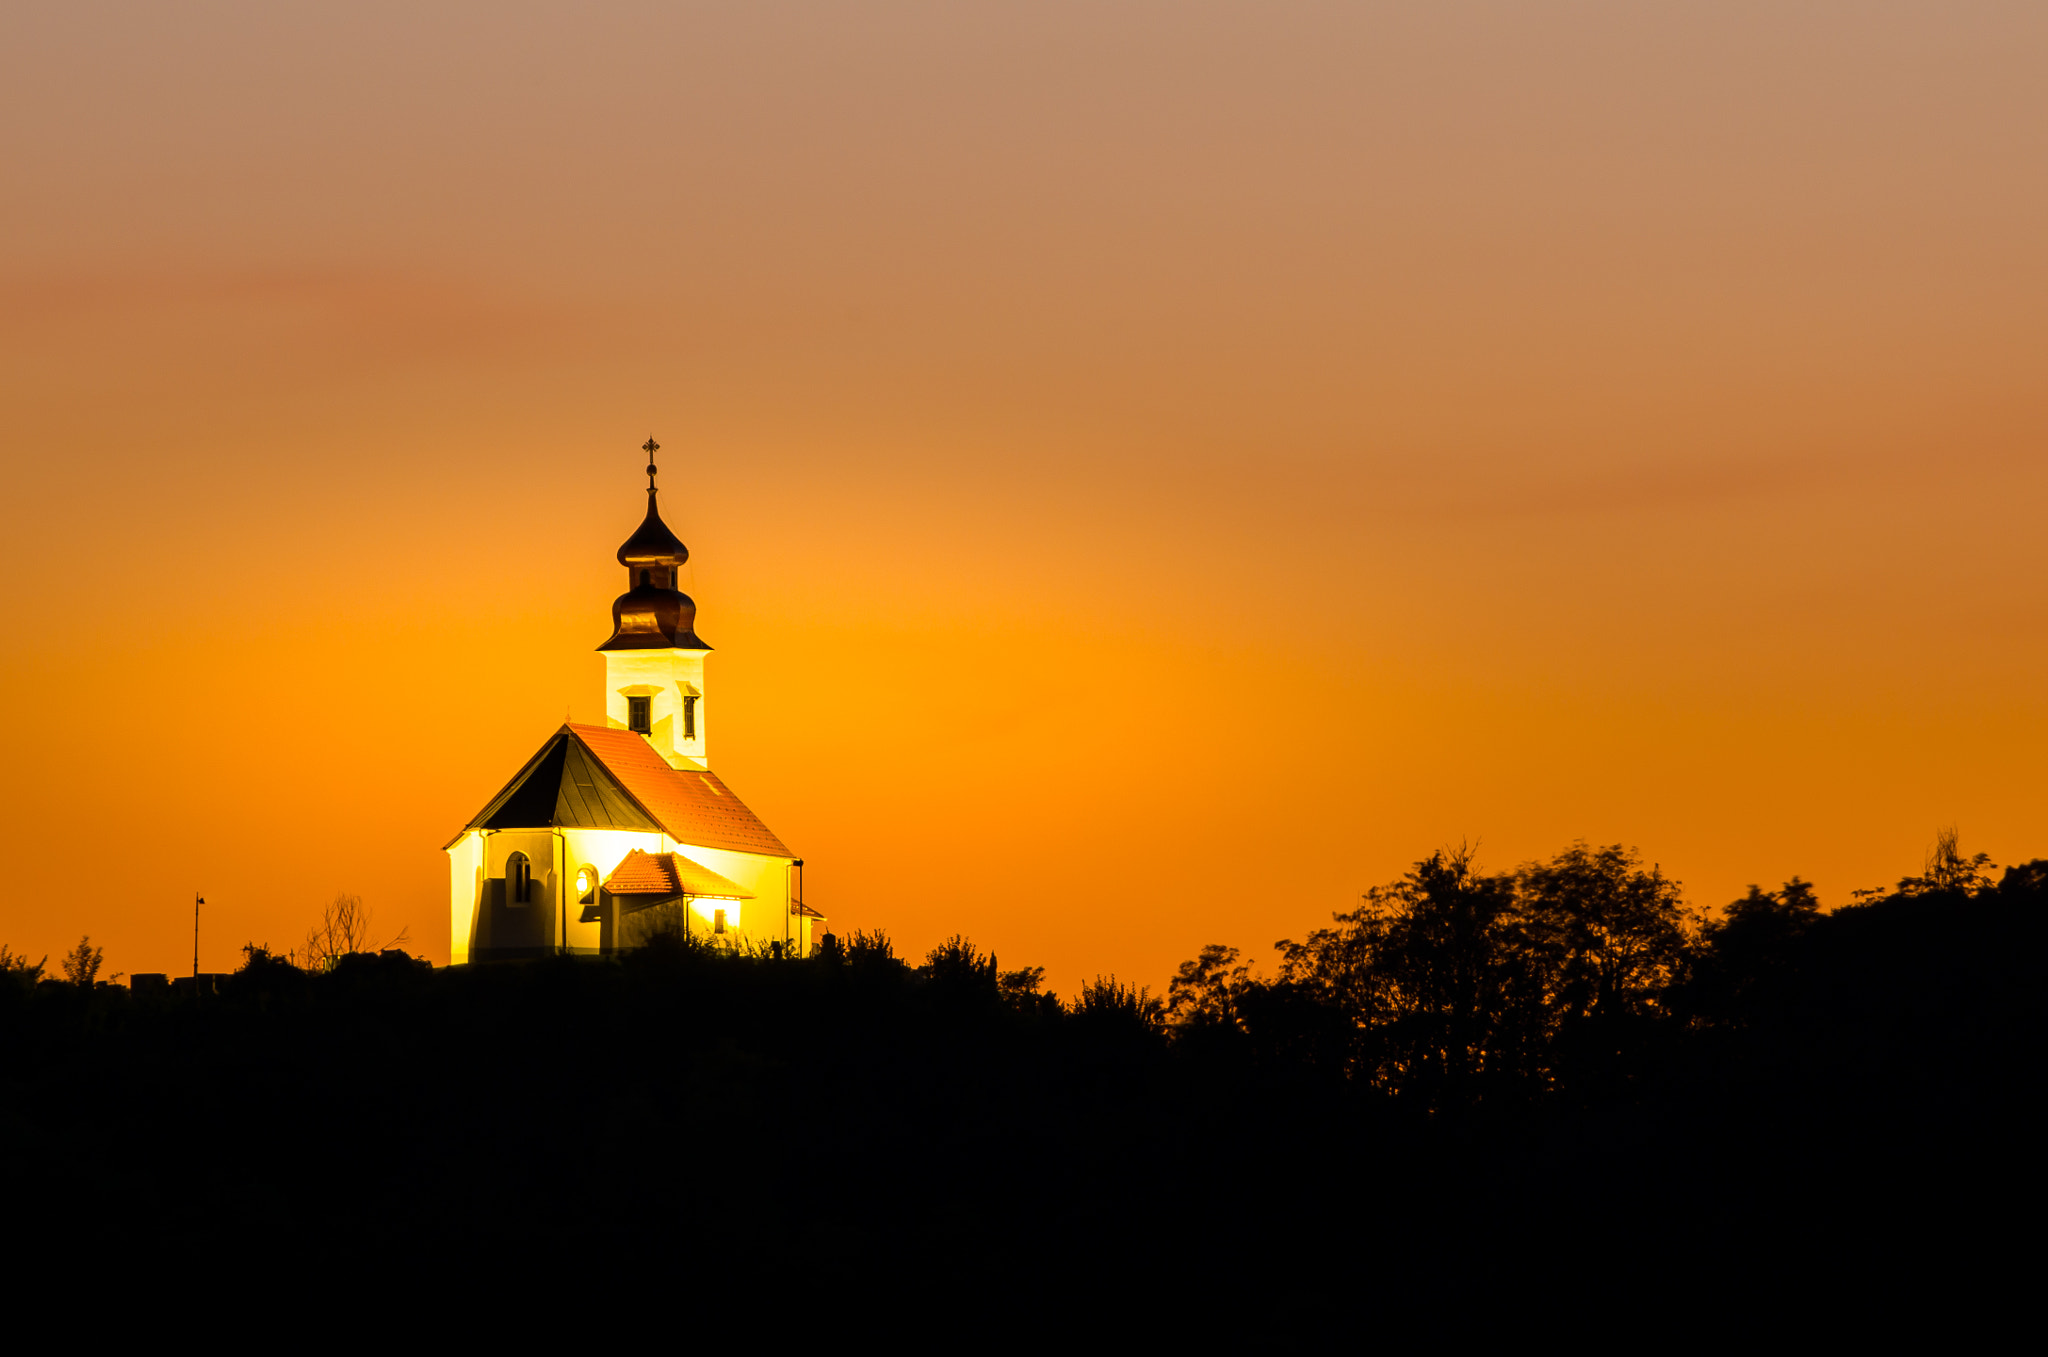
[(1152, 470)]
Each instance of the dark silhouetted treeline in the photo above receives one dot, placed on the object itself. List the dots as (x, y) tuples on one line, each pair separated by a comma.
[(1474, 1089)]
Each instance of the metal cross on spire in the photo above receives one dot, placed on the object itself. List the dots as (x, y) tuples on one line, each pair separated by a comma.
[(651, 448)]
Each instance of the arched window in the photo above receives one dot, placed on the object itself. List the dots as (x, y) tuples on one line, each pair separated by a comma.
[(643, 578), (586, 885), (519, 879)]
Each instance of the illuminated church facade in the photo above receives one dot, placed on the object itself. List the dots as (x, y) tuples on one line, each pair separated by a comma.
[(611, 833)]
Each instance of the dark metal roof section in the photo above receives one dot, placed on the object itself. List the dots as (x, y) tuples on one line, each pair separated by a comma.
[(653, 614), (563, 787)]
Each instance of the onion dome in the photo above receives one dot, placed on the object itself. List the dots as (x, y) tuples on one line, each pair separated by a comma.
[(652, 543), (653, 614)]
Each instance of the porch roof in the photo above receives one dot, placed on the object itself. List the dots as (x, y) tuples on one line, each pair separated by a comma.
[(643, 873)]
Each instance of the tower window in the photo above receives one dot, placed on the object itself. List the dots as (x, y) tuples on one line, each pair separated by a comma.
[(689, 716), (640, 714), (519, 879), (643, 578)]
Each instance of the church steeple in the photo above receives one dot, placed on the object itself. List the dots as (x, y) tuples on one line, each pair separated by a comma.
[(653, 614), (654, 661)]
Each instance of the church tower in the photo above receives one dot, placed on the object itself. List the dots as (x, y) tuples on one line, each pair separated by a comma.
[(654, 662)]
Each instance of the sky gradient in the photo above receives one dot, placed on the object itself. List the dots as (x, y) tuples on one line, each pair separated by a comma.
[(1151, 470)]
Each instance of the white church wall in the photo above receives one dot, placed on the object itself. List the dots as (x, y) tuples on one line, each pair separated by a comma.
[(665, 677), (465, 890), (602, 850), (534, 924), (758, 920), (761, 919), (605, 849)]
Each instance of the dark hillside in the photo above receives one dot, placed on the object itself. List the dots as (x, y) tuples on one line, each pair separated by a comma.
[(1849, 1093)]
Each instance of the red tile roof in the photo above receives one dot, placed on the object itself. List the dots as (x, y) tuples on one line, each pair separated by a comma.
[(694, 807), (670, 874)]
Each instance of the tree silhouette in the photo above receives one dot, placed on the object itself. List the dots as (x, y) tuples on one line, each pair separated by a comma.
[(1458, 986), (344, 929), (1437, 976), (82, 963), (1745, 956), (17, 968), (957, 962), (1107, 1004), (1023, 990), (1204, 992), (1946, 872), (1612, 936)]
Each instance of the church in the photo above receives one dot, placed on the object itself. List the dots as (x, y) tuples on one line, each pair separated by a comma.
[(613, 833)]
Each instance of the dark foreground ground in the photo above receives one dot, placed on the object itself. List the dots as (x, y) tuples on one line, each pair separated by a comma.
[(846, 1131)]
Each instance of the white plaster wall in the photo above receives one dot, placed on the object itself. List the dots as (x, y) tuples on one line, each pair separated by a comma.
[(760, 920), (665, 676), (540, 849), (603, 849), (465, 887)]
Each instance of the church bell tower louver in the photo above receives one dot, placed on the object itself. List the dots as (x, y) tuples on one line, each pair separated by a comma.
[(654, 661)]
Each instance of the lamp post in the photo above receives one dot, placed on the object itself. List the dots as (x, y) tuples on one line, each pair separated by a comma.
[(197, 901)]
